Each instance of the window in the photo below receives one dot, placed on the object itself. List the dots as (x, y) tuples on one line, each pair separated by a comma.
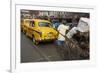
[(44, 24)]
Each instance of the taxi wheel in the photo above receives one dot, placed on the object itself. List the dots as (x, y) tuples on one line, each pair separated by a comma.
[(26, 34), (21, 30), (24, 31), (34, 41)]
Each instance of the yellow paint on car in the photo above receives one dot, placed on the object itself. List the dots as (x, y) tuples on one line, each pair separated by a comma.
[(41, 30)]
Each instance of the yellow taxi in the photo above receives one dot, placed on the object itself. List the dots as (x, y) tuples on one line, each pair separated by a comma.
[(41, 30), (24, 24)]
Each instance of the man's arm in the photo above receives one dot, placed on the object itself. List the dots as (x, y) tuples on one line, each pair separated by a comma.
[(67, 27)]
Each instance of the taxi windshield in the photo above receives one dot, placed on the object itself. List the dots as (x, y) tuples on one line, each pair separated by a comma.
[(44, 24)]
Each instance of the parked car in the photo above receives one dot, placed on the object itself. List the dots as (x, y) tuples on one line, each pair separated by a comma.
[(41, 30)]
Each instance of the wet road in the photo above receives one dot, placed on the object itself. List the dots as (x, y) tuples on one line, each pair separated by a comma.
[(38, 53)]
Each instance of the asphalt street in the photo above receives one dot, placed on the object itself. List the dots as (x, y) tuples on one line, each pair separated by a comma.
[(42, 52), (48, 51)]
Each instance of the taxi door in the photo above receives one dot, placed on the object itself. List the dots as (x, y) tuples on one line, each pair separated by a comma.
[(31, 28)]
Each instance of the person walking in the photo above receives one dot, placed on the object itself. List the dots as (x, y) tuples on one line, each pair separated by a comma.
[(62, 28)]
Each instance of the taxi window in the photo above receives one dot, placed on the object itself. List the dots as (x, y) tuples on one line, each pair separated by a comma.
[(44, 24), (32, 23)]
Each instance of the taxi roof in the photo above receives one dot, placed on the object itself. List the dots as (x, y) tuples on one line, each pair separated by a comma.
[(40, 20)]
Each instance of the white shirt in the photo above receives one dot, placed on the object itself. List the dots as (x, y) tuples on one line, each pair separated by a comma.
[(62, 29)]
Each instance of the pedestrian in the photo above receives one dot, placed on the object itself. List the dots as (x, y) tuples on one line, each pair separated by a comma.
[(62, 28), (55, 23)]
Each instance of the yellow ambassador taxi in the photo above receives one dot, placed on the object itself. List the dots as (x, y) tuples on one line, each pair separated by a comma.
[(41, 30)]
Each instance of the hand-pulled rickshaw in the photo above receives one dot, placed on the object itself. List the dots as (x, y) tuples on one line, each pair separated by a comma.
[(76, 47)]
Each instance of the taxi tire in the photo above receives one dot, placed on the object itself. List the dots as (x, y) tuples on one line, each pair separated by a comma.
[(26, 34), (34, 41)]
